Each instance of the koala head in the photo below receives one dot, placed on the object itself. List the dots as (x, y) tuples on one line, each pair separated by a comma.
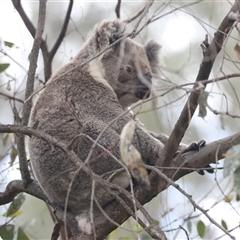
[(128, 66)]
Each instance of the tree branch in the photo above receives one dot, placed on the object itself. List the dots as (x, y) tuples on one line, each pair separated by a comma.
[(47, 56), (118, 8), (205, 68), (11, 98), (15, 187), (29, 25), (25, 174), (48, 63)]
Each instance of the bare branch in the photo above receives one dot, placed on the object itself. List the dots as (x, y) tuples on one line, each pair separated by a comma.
[(59, 40), (15, 187), (26, 177), (11, 98), (117, 9), (141, 16), (189, 197), (47, 56), (135, 16), (210, 54), (29, 25)]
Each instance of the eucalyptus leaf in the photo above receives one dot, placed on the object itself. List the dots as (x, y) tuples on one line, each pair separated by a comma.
[(14, 207), (201, 228), (8, 44), (224, 224), (7, 232), (22, 235), (3, 66)]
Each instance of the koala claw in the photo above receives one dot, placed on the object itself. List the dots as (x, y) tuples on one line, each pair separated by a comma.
[(196, 146)]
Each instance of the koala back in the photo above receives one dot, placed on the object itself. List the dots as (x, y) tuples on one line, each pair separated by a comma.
[(79, 103)]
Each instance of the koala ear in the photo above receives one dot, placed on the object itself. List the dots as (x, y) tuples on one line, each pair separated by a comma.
[(108, 32), (152, 50)]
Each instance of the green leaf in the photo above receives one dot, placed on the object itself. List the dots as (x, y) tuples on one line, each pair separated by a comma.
[(189, 226), (14, 207), (5, 138), (202, 101), (238, 197), (201, 228), (223, 223), (7, 232), (8, 44), (13, 155), (232, 160), (237, 181), (22, 235), (3, 66)]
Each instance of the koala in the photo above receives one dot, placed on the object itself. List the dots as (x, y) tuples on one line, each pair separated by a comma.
[(85, 102)]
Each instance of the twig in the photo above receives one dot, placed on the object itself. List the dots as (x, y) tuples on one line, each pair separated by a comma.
[(216, 112), (29, 25), (141, 16), (117, 8), (189, 197), (151, 20), (135, 16), (47, 55), (12, 98), (184, 231), (48, 61)]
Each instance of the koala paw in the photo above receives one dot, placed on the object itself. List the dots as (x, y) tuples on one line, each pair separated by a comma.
[(84, 224), (196, 146)]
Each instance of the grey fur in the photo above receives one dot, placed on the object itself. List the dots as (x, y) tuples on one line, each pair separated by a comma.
[(79, 102)]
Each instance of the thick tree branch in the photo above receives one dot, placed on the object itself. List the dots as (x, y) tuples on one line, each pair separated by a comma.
[(15, 187), (206, 66)]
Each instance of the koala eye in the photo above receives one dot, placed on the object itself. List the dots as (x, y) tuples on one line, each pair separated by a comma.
[(128, 69)]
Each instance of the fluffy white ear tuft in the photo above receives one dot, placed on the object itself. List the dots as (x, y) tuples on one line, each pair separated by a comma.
[(108, 32)]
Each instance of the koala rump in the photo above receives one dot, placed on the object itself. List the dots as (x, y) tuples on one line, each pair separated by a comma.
[(79, 103)]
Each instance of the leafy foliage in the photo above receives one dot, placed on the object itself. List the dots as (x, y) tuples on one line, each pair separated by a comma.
[(202, 101), (7, 233)]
